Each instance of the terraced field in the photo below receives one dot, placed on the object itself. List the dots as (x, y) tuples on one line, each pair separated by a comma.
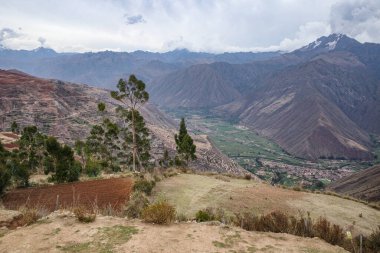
[(102, 193)]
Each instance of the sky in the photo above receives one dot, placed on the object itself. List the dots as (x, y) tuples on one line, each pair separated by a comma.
[(198, 25)]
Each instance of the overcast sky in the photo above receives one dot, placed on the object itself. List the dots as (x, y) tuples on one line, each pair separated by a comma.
[(198, 25)]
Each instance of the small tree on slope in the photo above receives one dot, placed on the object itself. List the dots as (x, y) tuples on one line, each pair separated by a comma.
[(185, 145)]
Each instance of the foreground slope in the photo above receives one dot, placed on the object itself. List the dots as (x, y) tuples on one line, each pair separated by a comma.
[(190, 193), (62, 233), (68, 111), (364, 184)]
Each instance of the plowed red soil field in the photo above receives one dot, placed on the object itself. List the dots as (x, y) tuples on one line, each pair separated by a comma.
[(101, 193)]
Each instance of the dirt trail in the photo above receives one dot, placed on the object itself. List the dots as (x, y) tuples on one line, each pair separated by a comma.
[(62, 233)]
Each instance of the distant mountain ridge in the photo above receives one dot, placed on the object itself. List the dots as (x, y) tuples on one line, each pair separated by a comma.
[(103, 69)]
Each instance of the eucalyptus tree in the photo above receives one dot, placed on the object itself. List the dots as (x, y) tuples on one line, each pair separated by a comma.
[(132, 94)]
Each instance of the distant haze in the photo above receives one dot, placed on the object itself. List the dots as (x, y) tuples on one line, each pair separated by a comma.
[(208, 26)]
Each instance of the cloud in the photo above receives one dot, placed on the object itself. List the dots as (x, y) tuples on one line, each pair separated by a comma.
[(198, 25), (131, 20), (42, 41), (357, 18), (7, 33)]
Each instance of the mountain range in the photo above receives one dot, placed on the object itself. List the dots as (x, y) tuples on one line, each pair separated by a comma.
[(320, 101)]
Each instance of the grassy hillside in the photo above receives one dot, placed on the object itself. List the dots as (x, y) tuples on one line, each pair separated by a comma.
[(190, 193)]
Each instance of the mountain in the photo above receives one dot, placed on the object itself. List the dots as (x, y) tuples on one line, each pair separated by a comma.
[(68, 111), (364, 184), (103, 69), (318, 101), (210, 85)]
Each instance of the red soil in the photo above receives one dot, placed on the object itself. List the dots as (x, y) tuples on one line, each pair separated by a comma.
[(101, 193), (11, 135)]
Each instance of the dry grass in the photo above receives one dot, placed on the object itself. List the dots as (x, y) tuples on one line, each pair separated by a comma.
[(159, 213), (84, 215), (190, 193)]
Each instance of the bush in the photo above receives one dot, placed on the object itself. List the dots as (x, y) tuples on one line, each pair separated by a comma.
[(5, 178), (29, 216), (92, 168), (372, 242), (161, 213), (248, 176), (136, 205), (204, 215), (143, 185), (83, 215), (332, 234)]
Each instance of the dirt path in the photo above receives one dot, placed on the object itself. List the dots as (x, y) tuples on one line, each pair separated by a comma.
[(109, 234)]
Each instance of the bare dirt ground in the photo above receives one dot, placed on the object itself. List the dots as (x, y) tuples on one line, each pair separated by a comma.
[(190, 193), (62, 233), (102, 193)]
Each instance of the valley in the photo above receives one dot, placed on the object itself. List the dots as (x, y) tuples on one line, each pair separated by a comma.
[(264, 157)]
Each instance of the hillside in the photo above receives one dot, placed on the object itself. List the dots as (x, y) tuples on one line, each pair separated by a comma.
[(68, 111), (296, 108), (364, 184), (190, 193), (60, 232)]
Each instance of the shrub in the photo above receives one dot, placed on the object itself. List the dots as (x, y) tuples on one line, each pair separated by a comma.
[(332, 234), (5, 178), (29, 216), (144, 185), (372, 242), (181, 217), (248, 176), (161, 213), (92, 168), (83, 215), (136, 205), (203, 215)]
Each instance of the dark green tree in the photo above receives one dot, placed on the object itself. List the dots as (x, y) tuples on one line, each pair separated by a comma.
[(142, 138), (60, 162), (5, 175), (15, 128), (184, 143), (32, 147), (132, 94)]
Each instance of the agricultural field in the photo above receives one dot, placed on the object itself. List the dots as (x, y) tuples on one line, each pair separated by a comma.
[(103, 193), (265, 158)]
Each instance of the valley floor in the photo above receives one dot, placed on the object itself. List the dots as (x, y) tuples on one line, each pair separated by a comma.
[(60, 232)]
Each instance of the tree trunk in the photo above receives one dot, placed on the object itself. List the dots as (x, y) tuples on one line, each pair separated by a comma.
[(134, 140)]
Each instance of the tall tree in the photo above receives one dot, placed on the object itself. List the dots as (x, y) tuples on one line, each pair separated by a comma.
[(132, 94), (185, 144), (32, 147)]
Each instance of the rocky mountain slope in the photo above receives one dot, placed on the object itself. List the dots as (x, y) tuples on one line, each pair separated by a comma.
[(318, 101), (68, 111), (364, 184)]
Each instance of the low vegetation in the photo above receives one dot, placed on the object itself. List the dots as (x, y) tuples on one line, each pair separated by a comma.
[(160, 212), (84, 215), (136, 204)]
